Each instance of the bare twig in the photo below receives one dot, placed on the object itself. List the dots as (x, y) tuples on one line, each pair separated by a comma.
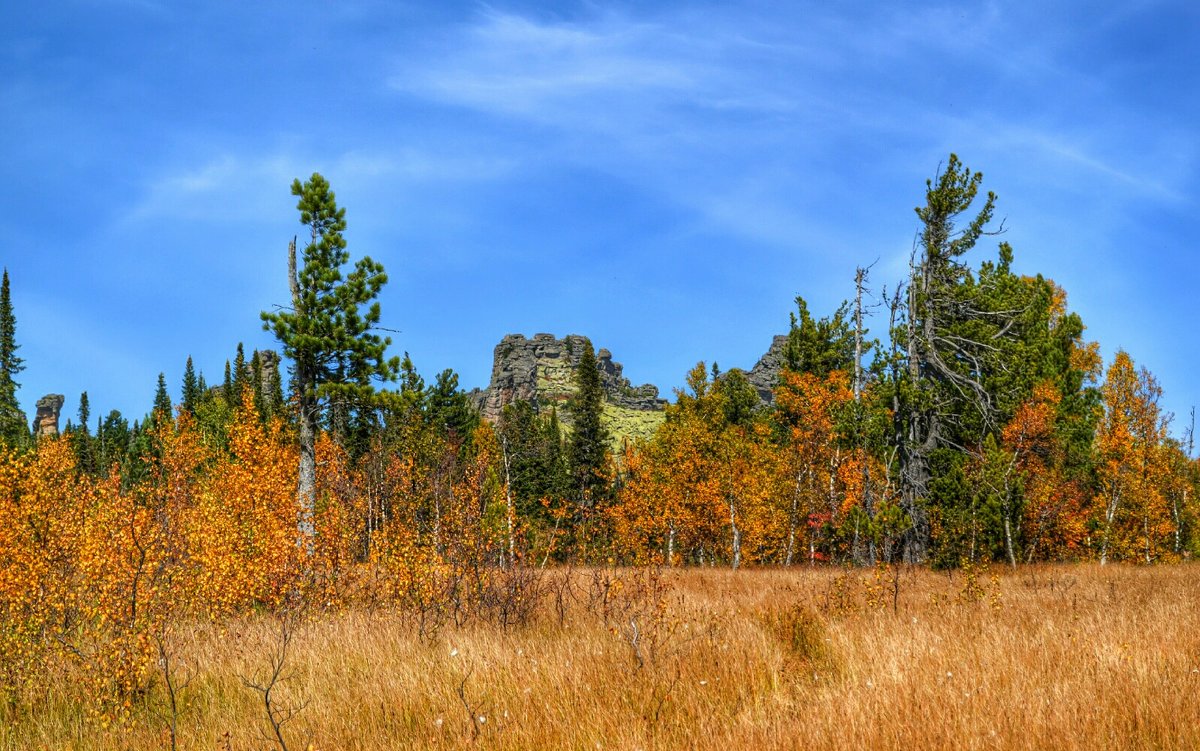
[(277, 714), (168, 666)]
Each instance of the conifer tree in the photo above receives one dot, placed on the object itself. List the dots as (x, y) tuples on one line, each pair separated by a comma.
[(112, 438), (12, 421), (948, 339), (162, 403), (326, 332), (85, 412), (273, 400), (589, 439), (81, 439), (227, 386), (191, 387), (819, 346), (239, 375), (449, 407), (256, 383)]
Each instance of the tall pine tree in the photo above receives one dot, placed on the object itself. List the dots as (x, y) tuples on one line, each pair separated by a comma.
[(161, 413), (240, 375), (12, 421), (81, 439), (191, 387), (326, 332), (588, 452)]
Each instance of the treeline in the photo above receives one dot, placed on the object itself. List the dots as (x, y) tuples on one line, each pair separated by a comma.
[(977, 425), (983, 427)]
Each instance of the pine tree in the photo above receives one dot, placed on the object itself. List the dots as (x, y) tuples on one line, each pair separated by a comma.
[(81, 440), (588, 454), (940, 400), (240, 381), (449, 407), (273, 393), (162, 404), (326, 333), (85, 411), (12, 421), (191, 387), (256, 383), (532, 451), (819, 346), (112, 438), (227, 387)]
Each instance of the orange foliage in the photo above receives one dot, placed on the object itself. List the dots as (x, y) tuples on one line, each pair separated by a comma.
[(242, 545), (1130, 509), (1054, 515)]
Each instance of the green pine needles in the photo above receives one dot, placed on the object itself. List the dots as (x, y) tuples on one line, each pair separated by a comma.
[(329, 332)]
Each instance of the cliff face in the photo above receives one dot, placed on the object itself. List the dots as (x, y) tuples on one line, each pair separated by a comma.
[(765, 373), (541, 371)]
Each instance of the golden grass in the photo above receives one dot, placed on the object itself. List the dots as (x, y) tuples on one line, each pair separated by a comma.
[(1044, 658)]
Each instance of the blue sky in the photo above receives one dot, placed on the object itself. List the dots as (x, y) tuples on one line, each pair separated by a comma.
[(662, 177)]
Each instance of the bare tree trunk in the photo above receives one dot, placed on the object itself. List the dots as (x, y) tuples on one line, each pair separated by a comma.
[(306, 487), (737, 535), (1178, 520), (1008, 541), (860, 278), (509, 511), (793, 520), (1110, 513)]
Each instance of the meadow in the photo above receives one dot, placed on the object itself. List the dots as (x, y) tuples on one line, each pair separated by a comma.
[(1052, 657)]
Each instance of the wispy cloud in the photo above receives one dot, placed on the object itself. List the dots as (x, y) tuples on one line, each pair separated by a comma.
[(232, 186), (218, 189), (513, 65)]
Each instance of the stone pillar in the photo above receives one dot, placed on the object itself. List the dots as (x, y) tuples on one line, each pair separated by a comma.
[(48, 409)]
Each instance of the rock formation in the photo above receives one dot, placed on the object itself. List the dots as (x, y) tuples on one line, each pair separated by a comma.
[(268, 367), (765, 373), (45, 425), (541, 371)]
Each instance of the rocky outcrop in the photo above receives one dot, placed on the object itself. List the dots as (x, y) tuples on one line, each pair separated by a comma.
[(45, 424), (541, 371), (268, 367), (765, 373)]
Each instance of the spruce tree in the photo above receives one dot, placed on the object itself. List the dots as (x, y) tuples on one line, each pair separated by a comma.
[(85, 411), (273, 393), (140, 454), (589, 439), (240, 381), (449, 407), (162, 403), (256, 383), (81, 440), (191, 387), (227, 386), (112, 439), (12, 421)]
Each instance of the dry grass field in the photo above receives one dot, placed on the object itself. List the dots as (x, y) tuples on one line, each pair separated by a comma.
[(1044, 658)]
